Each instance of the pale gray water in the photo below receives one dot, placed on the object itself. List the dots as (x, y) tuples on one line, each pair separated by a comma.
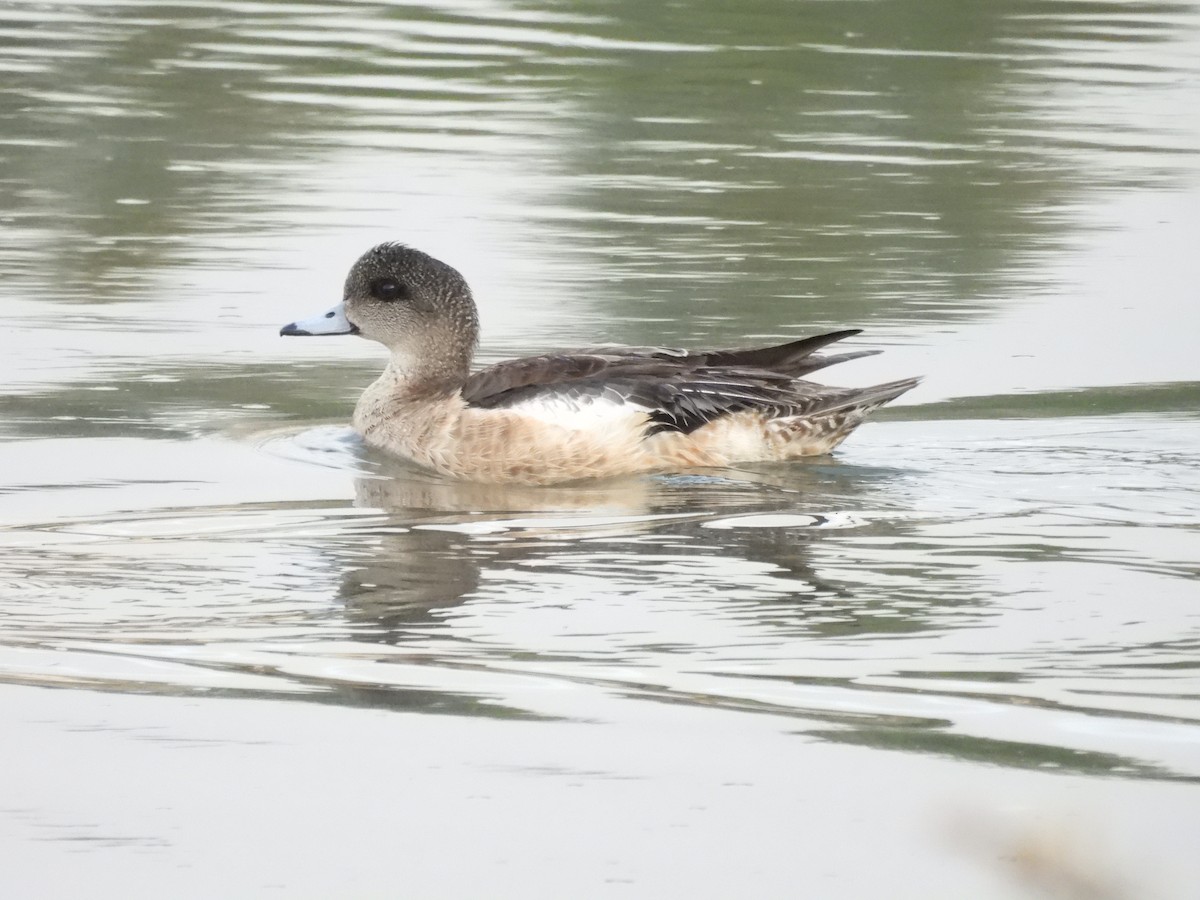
[(242, 656)]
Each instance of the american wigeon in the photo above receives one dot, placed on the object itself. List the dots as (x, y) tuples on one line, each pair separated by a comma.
[(575, 414)]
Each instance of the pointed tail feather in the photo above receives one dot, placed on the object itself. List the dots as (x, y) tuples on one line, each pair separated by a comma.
[(813, 363), (869, 398), (790, 359)]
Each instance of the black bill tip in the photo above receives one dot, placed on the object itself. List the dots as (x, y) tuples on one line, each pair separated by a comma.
[(292, 330)]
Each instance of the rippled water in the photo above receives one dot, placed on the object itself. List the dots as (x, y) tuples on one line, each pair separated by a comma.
[(957, 659)]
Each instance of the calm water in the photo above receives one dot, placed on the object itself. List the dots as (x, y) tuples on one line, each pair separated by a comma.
[(242, 656)]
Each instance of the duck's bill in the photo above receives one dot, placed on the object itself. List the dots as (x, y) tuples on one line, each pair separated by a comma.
[(332, 322)]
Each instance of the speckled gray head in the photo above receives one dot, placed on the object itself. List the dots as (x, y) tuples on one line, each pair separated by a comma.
[(417, 306)]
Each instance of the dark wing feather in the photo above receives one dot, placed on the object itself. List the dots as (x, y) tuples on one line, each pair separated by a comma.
[(680, 390), (493, 382), (795, 359)]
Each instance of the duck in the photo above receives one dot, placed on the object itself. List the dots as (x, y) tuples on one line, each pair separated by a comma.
[(595, 412)]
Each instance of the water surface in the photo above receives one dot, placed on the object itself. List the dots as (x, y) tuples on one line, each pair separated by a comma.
[(240, 653)]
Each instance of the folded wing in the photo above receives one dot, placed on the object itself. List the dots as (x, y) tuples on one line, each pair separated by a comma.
[(677, 390)]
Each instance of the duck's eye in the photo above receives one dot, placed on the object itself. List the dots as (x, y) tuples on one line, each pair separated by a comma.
[(388, 289)]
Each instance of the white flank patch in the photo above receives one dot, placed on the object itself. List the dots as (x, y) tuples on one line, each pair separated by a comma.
[(586, 414)]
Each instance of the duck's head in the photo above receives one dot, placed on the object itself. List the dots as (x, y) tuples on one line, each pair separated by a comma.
[(418, 307)]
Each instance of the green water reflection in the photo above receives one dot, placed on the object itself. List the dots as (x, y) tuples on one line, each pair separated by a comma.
[(811, 161)]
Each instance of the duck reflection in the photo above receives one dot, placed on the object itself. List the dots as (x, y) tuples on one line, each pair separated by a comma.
[(447, 533), (447, 541)]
